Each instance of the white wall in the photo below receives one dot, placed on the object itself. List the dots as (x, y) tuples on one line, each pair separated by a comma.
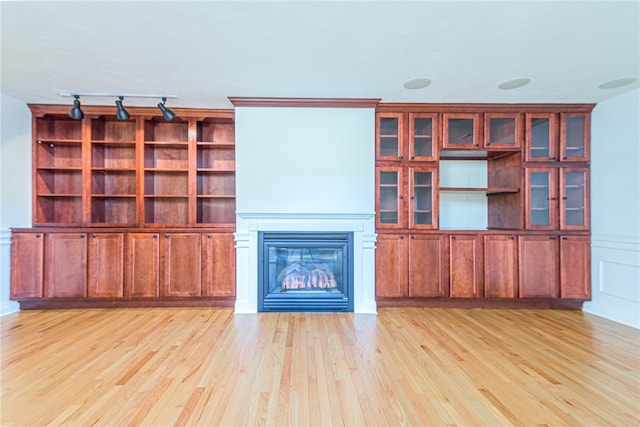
[(15, 184), (307, 154), (615, 209)]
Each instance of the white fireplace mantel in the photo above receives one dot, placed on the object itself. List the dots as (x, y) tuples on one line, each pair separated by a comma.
[(246, 237)]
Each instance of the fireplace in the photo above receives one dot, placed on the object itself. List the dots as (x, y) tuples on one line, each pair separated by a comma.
[(305, 271)]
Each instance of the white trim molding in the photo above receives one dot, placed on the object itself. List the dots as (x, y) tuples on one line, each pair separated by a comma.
[(6, 305)]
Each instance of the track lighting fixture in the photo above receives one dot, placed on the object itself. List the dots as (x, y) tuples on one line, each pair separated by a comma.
[(122, 113), (166, 113), (76, 113)]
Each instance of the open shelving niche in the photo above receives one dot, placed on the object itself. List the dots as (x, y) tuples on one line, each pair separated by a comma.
[(479, 190)]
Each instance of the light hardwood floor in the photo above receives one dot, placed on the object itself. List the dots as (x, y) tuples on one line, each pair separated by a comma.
[(405, 366)]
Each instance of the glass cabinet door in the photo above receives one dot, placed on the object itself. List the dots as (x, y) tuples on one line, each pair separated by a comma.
[(574, 203), (389, 144), (503, 130), (540, 139), (422, 201), (460, 131), (574, 137), (389, 197), (423, 143), (541, 198)]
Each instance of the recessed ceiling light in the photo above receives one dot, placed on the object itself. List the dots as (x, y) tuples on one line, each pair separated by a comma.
[(417, 83), (617, 83), (514, 84)]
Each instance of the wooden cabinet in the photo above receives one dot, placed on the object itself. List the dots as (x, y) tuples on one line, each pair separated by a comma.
[(390, 191), (538, 257), (503, 131), (423, 137), (139, 172), (428, 269), (562, 137), (461, 131), (423, 197), (143, 265), (574, 137), (27, 266), (57, 170), (389, 140), (105, 266), (218, 265), (557, 198), (391, 266), (181, 262), (215, 172), (575, 267), (65, 265), (465, 266), (500, 266), (112, 172)]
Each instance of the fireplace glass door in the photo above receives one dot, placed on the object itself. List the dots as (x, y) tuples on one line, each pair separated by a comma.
[(305, 272)]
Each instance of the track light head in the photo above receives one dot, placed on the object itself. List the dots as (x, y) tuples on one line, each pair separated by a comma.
[(76, 113), (166, 113), (122, 113)]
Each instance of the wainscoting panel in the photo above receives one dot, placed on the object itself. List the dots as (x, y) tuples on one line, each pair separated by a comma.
[(616, 279), (6, 306)]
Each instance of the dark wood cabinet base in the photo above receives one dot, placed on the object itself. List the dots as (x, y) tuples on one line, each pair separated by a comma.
[(531, 304), (66, 304)]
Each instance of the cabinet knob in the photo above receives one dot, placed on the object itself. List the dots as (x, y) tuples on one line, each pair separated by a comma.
[(413, 157), (512, 237), (401, 157), (155, 236), (552, 158), (553, 238), (38, 236), (208, 236), (93, 236), (413, 237), (564, 198), (413, 197), (401, 237), (477, 145), (564, 238), (82, 236), (166, 236), (453, 237), (401, 197)]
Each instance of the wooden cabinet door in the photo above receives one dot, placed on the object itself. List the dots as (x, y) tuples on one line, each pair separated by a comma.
[(65, 265), (218, 265), (27, 266), (541, 202), (541, 143), (427, 266), (465, 266), (390, 198), (503, 131), (423, 197), (389, 136), (391, 266), (143, 265), (181, 264), (105, 276), (500, 266), (574, 137), (461, 131), (575, 267), (538, 257), (574, 199), (424, 141)]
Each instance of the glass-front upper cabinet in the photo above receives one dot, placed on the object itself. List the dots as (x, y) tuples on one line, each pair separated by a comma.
[(423, 198), (423, 137), (574, 137), (503, 130), (541, 199), (389, 143), (461, 131), (574, 201), (541, 137), (389, 198)]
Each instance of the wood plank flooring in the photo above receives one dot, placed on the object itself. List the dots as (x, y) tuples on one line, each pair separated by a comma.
[(405, 366)]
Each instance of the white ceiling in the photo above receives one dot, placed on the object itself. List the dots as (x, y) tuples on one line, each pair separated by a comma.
[(206, 51)]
